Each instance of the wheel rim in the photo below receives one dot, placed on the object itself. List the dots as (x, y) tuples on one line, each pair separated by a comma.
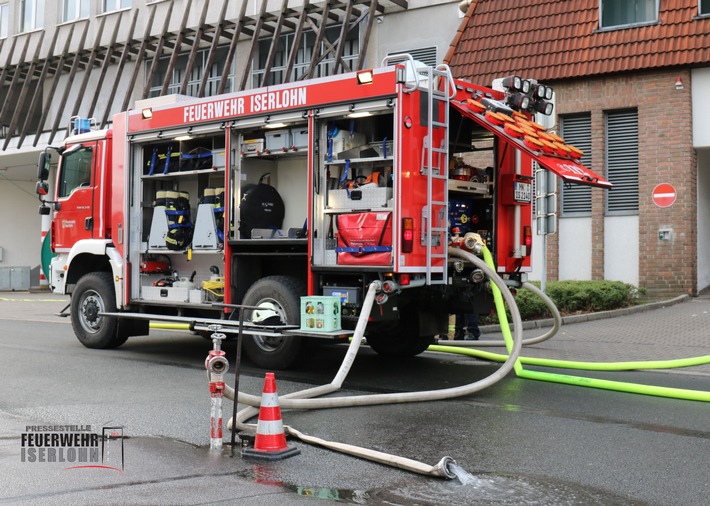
[(91, 305), (270, 343)]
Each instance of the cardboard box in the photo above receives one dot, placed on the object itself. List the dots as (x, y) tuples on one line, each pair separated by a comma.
[(347, 295), (320, 313)]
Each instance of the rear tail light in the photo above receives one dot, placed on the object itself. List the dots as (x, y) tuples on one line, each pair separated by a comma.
[(407, 235), (527, 240), (404, 279)]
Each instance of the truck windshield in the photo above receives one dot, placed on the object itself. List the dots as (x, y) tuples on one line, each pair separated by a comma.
[(75, 171)]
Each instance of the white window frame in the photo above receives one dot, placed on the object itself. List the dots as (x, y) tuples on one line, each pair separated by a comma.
[(605, 26), (621, 136), (80, 10), (351, 53), (195, 78), (115, 5), (4, 20), (36, 15)]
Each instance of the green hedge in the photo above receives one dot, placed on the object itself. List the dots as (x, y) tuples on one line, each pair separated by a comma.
[(572, 297)]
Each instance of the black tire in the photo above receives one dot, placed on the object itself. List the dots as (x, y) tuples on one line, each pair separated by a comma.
[(281, 294), (391, 346), (94, 293), (399, 339)]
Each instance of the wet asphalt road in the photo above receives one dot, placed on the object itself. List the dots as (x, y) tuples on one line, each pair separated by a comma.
[(524, 442)]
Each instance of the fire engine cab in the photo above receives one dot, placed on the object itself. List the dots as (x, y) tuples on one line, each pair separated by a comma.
[(187, 207)]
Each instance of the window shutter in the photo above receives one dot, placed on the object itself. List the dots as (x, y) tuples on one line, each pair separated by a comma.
[(622, 161), (577, 131), (426, 55)]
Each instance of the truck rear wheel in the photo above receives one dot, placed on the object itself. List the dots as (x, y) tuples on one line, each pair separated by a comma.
[(399, 339), (94, 294), (278, 296), (395, 345)]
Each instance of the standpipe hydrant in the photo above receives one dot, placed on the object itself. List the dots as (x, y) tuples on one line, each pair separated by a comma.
[(217, 365)]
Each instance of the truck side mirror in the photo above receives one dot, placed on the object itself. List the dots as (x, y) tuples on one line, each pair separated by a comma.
[(45, 159)]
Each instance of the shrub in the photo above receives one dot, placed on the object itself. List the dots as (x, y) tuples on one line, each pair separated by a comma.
[(572, 297)]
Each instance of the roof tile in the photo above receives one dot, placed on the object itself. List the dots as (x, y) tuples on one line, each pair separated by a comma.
[(556, 39)]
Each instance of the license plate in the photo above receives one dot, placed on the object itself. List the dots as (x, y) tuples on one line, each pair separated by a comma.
[(522, 192)]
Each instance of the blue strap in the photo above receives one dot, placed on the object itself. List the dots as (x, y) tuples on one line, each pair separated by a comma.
[(344, 177), (167, 159), (187, 224), (363, 249), (153, 161), (204, 154), (171, 212)]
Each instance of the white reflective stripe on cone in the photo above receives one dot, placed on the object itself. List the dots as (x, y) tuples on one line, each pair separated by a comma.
[(269, 400), (269, 427)]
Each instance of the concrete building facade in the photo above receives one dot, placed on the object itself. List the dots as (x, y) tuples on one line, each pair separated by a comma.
[(93, 58)]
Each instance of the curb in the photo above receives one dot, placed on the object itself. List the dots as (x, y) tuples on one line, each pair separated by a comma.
[(602, 315)]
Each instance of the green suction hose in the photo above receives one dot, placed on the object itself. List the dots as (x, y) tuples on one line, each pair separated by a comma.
[(619, 386)]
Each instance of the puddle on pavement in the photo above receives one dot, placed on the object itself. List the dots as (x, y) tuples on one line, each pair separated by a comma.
[(466, 490), (495, 489)]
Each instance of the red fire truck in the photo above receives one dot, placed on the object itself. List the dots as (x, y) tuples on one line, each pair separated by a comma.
[(189, 206)]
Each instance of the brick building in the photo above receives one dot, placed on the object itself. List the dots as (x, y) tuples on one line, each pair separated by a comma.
[(632, 83)]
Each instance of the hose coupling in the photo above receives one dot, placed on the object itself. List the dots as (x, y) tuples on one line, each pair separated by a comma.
[(443, 468), (217, 364), (478, 276), (474, 243), (390, 286), (378, 285)]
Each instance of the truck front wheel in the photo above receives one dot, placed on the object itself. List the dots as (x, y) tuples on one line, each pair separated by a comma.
[(94, 294), (279, 298)]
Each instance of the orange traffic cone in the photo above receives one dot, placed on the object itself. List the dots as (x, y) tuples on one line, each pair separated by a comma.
[(270, 442)]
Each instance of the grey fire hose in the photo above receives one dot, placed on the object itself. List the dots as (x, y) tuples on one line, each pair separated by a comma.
[(304, 398)]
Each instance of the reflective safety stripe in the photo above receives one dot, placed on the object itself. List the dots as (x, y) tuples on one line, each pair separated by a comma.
[(269, 400), (269, 427)]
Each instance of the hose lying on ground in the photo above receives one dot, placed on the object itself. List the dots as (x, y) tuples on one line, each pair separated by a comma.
[(304, 398)]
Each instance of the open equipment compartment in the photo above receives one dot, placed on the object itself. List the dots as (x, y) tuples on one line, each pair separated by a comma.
[(355, 174), (180, 208)]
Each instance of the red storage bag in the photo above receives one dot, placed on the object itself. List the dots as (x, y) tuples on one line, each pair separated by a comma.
[(364, 239)]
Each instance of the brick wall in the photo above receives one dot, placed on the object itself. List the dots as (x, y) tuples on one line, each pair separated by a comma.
[(665, 156)]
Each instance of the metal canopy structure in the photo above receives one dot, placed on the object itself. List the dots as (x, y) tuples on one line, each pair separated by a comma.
[(97, 66)]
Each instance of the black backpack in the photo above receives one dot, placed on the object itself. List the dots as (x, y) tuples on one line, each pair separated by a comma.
[(261, 207)]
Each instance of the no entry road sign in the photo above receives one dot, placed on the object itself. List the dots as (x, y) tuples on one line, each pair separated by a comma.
[(664, 195)]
